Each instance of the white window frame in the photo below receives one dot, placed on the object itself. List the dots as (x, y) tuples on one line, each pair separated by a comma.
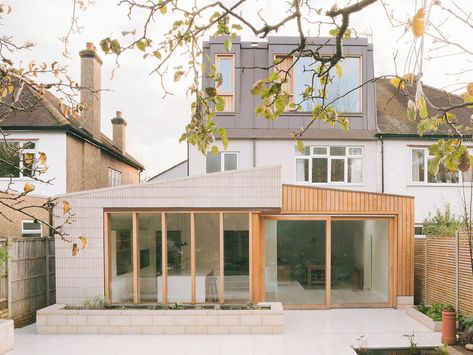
[(31, 231), (34, 151), (112, 175), (426, 168), (329, 164)]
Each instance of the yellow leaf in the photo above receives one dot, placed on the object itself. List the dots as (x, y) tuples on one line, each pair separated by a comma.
[(338, 67), (66, 206), (42, 157), (418, 23), (398, 83), (28, 187), (163, 10), (84, 241), (28, 158), (75, 249), (4, 92), (469, 89)]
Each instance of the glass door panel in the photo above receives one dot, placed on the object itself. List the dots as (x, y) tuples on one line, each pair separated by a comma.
[(360, 261), (295, 261)]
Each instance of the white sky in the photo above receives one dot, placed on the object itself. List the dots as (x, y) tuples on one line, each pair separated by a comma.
[(154, 124)]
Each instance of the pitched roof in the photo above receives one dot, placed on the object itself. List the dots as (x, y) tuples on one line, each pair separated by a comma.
[(391, 106), (47, 115)]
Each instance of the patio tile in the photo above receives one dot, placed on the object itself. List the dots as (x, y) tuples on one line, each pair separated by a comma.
[(308, 332)]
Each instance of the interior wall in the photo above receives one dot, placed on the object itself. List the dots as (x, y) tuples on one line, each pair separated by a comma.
[(380, 255)]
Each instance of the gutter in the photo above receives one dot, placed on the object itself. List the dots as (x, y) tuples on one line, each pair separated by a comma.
[(418, 137)]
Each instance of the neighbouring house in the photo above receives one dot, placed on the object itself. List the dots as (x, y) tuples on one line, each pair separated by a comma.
[(258, 221), (79, 155), (382, 152)]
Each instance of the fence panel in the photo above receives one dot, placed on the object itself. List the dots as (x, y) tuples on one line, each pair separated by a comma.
[(29, 281), (437, 277)]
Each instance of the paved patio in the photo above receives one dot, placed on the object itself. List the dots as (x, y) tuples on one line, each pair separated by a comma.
[(306, 332)]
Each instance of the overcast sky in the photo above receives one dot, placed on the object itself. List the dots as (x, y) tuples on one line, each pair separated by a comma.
[(155, 124)]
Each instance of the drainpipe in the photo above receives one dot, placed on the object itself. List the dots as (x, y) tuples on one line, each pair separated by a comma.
[(46, 253), (382, 163), (254, 152)]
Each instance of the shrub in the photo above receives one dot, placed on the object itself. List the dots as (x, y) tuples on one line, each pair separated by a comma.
[(442, 223)]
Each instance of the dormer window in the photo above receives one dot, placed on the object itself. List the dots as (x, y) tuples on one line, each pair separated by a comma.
[(226, 66), (300, 76)]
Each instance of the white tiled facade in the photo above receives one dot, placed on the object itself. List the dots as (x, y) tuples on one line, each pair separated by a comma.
[(81, 277)]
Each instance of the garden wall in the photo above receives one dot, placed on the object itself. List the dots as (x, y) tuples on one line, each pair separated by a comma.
[(442, 272)]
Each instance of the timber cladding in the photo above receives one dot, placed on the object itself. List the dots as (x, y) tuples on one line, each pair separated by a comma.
[(442, 275), (335, 202)]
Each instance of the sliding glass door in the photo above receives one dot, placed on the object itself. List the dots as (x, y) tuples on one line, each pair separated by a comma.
[(360, 261), (295, 261), (327, 261), (178, 257)]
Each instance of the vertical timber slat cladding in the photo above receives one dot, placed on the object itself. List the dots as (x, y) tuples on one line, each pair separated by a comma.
[(441, 271), (339, 202)]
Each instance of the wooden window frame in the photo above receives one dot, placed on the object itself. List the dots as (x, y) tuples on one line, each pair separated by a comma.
[(230, 95), (136, 251)]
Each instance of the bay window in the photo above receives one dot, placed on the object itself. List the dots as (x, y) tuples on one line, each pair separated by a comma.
[(329, 164), (420, 158)]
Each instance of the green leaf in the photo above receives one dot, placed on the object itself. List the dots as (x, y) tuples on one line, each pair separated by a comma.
[(214, 150), (338, 67), (220, 103), (211, 91), (422, 107), (222, 132), (411, 110), (141, 45), (227, 45), (237, 27), (157, 54)]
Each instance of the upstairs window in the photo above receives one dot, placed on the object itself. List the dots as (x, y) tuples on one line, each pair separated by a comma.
[(300, 76), (114, 177), (17, 159), (329, 164), (226, 66), (223, 161), (31, 229), (420, 158)]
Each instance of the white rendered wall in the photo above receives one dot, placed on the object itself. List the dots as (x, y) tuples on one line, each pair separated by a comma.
[(428, 197), (281, 152), (54, 145)]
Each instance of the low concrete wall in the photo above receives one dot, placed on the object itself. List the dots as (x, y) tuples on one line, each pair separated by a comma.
[(6, 335), (436, 326), (56, 320)]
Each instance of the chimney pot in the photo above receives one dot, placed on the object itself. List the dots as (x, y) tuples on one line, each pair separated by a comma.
[(119, 132), (90, 46)]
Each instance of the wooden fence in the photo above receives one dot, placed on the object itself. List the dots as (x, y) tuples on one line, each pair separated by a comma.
[(29, 278), (443, 272)]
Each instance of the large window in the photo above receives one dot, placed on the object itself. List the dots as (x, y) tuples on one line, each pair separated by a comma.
[(226, 66), (420, 158), (329, 164), (178, 257), (17, 159), (222, 161), (339, 89)]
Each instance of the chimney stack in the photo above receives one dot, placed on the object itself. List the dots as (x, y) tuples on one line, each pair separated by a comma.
[(90, 94), (119, 134)]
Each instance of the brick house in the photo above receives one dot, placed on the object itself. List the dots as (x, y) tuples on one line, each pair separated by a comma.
[(80, 156)]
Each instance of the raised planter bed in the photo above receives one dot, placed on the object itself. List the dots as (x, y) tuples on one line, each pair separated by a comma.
[(57, 320), (6, 335), (436, 326)]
